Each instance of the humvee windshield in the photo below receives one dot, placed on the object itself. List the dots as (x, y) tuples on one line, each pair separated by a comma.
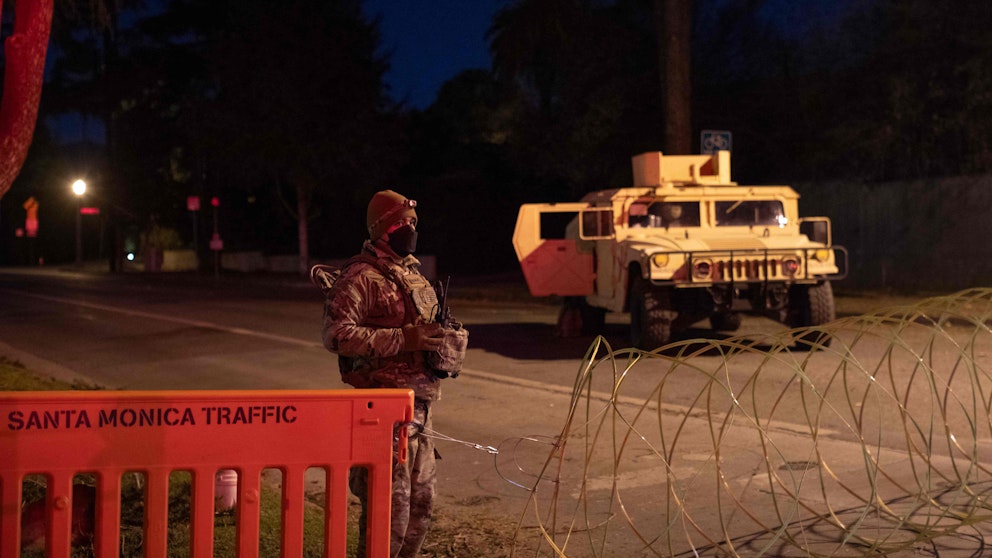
[(743, 213), (664, 214)]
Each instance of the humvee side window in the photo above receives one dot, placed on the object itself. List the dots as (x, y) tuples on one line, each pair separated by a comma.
[(674, 214), (743, 213), (597, 223), (637, 215)]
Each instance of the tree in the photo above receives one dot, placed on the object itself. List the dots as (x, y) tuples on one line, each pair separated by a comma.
[(294, 101), (929, 74), (582, 76), (116, 76)]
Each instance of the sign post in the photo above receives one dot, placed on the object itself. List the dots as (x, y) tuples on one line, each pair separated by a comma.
[(193, 205), (216, 243)]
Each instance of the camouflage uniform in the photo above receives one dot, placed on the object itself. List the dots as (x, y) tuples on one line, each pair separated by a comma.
[(363, 314)]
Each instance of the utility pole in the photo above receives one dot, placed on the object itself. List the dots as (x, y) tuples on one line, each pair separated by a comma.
[(673, 22)]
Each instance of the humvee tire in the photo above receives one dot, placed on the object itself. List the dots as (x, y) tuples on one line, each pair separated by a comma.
[(725, 321), (651, 314), (811, 305)]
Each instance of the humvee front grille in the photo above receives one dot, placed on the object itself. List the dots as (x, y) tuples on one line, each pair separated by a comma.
[(749, 269), (755, 266)]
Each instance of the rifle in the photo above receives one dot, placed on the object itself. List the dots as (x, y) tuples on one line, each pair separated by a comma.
[(444, 312)]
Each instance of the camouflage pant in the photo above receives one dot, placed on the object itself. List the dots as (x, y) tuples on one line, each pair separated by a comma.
[(414, 485)]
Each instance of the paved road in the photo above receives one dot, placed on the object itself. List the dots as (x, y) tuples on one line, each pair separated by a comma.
[(141, 331)]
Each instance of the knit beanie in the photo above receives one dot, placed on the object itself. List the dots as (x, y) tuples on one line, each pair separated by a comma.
[(386, 208)]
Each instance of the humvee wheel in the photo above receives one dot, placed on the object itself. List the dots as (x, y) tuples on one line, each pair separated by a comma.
[(811, 305), (651, 315)]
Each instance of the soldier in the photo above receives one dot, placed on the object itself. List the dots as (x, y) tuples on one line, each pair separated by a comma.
[(380, 317)]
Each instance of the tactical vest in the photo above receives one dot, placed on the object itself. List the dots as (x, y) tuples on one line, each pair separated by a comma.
[(420, 307)]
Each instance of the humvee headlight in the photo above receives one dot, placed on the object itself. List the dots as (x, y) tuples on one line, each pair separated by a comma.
[(702, 269), (821, 255), (790, 266), (659, 260)]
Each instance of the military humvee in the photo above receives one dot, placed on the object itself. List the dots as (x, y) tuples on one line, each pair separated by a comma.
[(685, 243)]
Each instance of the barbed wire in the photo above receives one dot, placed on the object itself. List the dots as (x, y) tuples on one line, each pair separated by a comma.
[(867, 436)]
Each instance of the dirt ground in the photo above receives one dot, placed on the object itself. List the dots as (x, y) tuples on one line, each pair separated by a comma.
[(457, 532)]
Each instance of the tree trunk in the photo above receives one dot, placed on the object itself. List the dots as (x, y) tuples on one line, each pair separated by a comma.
[(673, 20), (25, 55)]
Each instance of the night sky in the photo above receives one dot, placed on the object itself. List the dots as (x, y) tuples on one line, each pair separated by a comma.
[(431, 42)]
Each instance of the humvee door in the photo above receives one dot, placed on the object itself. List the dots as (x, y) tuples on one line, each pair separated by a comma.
[(551, 241)]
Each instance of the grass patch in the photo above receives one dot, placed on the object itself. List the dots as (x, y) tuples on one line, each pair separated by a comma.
[(14, 376), (179, 542)]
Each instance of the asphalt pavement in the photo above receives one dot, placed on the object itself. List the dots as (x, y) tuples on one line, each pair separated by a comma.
[(596, 473)]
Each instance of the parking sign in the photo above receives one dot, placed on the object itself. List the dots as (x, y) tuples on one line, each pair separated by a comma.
[(711, 141)]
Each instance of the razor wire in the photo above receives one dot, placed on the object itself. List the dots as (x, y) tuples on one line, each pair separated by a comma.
[(866, 436)]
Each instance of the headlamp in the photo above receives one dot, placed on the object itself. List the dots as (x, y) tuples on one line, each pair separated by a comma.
[(702, 269), (790, 266)]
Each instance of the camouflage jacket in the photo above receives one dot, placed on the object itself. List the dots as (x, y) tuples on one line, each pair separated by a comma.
[(363, 315)]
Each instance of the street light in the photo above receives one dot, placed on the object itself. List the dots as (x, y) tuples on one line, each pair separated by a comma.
[(79, 188)]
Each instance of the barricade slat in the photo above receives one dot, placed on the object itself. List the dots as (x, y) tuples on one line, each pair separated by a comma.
[(58, 495), (202, 513), (156, 518), (336, 497), (249, 496), (10, 518), (64, 434), (108, 513), (292, 510), (380, 499)]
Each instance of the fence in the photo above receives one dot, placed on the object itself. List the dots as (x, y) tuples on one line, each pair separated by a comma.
[(62, 434), (893, 230)]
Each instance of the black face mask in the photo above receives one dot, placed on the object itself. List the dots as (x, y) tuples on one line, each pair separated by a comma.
[(403, 240)]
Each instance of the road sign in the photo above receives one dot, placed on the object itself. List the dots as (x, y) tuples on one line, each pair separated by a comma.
[(216, 244), (711, 141), (31, 222)]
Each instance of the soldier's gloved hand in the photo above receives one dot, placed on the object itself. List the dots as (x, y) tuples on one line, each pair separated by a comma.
[(426, 337)]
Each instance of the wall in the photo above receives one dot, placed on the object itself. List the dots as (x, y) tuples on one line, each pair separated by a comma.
[(289, 263)]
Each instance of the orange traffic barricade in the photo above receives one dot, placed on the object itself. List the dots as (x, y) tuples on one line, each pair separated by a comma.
[(108, 433)]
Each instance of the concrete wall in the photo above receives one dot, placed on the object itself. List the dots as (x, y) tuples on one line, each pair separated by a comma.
[(927, 234), (249, 262), (179, 260)]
